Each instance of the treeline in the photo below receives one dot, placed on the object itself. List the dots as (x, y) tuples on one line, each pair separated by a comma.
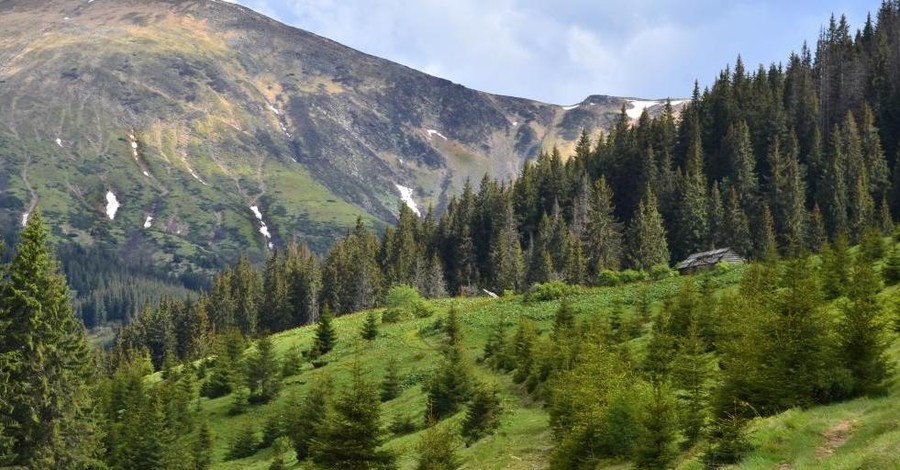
[(711, 363), (780, 160)]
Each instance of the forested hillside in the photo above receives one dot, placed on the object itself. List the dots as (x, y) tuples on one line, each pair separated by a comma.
[(595, 354)]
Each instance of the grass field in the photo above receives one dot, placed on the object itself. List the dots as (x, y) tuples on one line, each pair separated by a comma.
[(858, 434)]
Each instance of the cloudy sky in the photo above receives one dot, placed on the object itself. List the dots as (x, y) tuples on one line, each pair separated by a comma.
[(562, 51)]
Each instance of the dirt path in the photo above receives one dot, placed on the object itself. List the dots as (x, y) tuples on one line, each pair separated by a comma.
[(835, 437)]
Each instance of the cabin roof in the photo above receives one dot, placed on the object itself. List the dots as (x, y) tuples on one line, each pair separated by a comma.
[(708, 258)]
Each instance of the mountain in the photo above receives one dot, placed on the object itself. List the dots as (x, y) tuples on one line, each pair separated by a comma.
[(184, 133)]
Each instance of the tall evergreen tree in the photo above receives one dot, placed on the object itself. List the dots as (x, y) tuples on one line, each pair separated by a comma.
[(603, 232), (647, 235), (47, 400)]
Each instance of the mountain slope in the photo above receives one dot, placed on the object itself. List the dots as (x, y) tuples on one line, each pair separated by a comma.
[(196, 130)]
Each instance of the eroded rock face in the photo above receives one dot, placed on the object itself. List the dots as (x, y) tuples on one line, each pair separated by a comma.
[(195, 110)]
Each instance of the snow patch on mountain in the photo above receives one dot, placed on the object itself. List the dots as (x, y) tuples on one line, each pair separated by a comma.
[(59, 142), (263, 228), (112, 205), (568, 108), (148, 221), (406, 197), (25, 218), (432, 132), (638, 107)]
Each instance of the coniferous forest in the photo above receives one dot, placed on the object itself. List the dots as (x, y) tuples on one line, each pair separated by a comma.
[(620, 360)]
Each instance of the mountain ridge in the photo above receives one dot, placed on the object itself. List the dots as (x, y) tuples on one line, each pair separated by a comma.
[(191, 113)]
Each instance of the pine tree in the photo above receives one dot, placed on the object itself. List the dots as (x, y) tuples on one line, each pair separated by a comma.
[(202, 449), (891, 268), (351, 437), (47, 399), (263, 372), (736, 232), (450, 385), (370, 327), (816, 236), (391, 385), (836, 268), (244, 444), (436, 449), (603, 232), (692, 232), (655, 447), (482, 415), (862, 332), (507, 255), (305, 418), (647, 235), (325, 334)]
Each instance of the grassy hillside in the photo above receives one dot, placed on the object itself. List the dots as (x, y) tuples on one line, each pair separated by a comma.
[(855, 434)]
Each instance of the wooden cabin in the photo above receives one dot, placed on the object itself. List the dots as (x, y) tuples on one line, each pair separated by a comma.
[(708, 260)]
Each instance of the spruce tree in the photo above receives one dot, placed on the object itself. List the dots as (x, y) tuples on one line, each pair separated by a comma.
[(263, 372), (655, 447), (370, 327), (647, 235), (436, 449), (890, 271), (351, 437), (603, 232), (49, 375), (391, 385), (692, 233), (736, 230), (509, 262), (305, 418), (325, 334), (202, 449), (863, 337), (482, 415)]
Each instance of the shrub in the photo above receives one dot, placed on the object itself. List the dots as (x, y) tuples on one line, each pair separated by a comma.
[(422, 309), (609, 278), (548, 291), (402, 296), (630, 275), (403, 423), (392, 315), (662, 271)]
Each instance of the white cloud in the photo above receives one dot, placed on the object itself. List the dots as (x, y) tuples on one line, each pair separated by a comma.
[(562, 51)]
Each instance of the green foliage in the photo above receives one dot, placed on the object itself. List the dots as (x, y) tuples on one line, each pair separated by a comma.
[(351, 435), (656, 447), (890, 270), (370, 327), (548, 291), (727, 439), (482, 415), (862, 333), (244, 444), (304, 418), (392, 315), (662, 271), (325, 334), (437, 449), (47, 368), (402, 296), (263, 373), (392, 384), (404, 423), (292, 362)]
